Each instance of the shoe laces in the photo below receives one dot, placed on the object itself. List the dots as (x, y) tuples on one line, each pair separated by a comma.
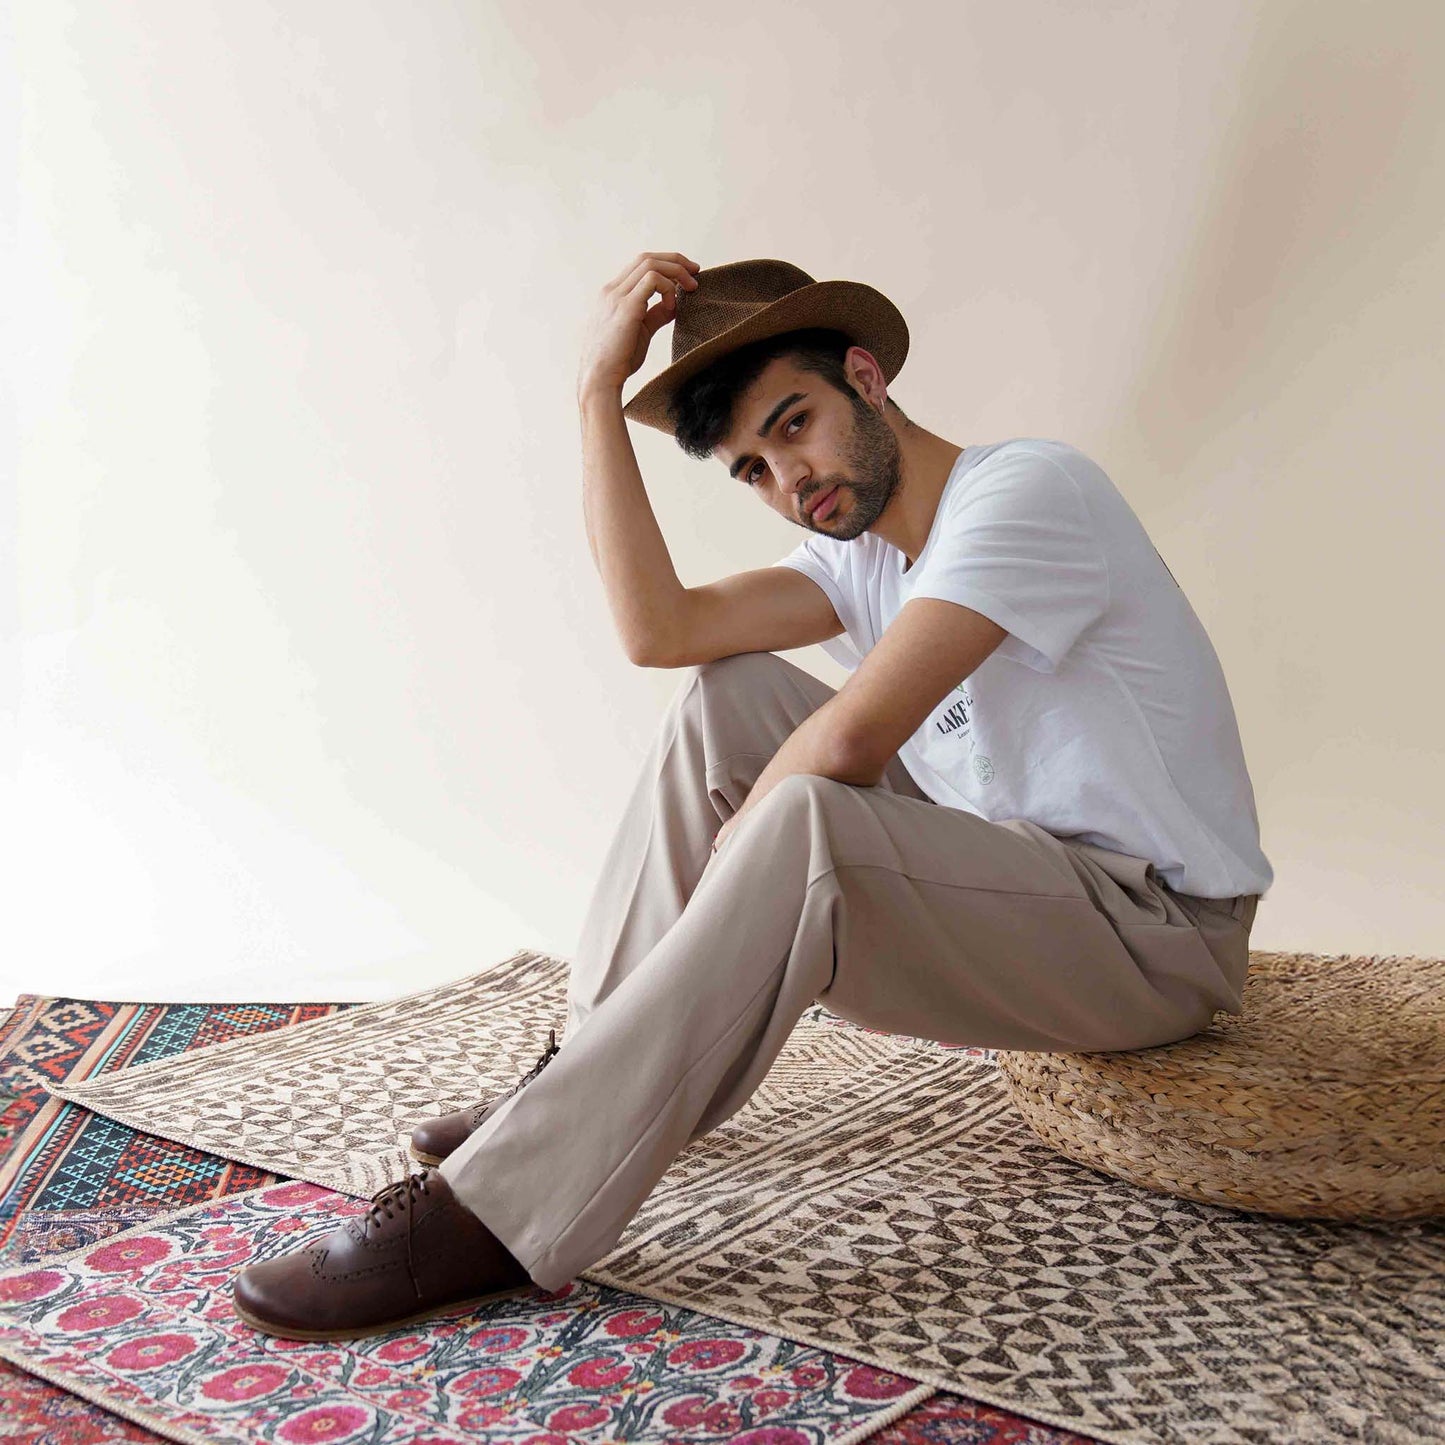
[(548, 1054), (400, 1194)]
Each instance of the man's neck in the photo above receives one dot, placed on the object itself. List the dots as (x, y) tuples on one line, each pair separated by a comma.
[(927, 462)]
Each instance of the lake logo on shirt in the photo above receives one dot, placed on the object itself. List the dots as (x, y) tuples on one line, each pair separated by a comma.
[(955, 717)]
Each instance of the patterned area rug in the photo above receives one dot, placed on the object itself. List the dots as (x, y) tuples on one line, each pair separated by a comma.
[(70, 1179), (879, 1196), (144, 1325), (62, 1161)]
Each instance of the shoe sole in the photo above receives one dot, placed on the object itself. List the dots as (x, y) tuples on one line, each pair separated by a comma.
[(425, 1158), (287, 1332)]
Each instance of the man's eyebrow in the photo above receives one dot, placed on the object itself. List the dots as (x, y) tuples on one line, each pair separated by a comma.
[(768, 421)]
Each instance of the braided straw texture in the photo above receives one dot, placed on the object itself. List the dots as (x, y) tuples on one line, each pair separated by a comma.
[(1325, 1099)]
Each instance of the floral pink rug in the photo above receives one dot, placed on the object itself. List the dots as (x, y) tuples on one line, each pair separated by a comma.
[(142, 1324)]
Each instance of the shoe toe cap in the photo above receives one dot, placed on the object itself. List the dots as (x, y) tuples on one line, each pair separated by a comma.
[(267, 1292), (440, 1136)]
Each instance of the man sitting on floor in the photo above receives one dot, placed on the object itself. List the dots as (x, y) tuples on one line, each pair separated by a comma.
[(1024, 822)]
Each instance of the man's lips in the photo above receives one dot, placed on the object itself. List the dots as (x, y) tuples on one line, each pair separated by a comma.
[(819, 500)]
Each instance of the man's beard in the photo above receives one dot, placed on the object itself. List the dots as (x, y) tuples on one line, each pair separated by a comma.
[(876, 462)]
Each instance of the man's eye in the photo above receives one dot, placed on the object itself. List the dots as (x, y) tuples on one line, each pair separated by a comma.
[(750, 476)]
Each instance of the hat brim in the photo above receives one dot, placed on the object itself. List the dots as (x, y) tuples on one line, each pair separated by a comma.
[(864, 314)]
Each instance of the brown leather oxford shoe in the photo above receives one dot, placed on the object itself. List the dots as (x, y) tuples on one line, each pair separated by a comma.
[(416, 1251), (433, 1139)]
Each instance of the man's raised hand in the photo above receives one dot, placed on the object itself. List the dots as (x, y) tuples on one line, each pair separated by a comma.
[(622, 325)]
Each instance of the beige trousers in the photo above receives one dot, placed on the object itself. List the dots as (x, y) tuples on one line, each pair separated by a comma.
[(692, 968)]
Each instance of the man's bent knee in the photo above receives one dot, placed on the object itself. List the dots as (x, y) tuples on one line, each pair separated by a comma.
[(739, 665), (797, 793)]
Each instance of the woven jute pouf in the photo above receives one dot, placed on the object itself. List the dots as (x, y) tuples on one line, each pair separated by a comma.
[(1325, 1099)]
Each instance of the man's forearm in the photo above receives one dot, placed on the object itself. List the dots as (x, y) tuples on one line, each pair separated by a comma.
[(642, 586)]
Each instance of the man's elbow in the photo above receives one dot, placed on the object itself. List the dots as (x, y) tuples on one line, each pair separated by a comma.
[(855, 760), (647, 654)]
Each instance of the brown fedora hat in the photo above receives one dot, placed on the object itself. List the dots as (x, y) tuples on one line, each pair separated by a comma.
[(745, 301)]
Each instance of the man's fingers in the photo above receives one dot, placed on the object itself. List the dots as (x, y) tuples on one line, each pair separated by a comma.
[(661, 313), (672, 263), (664, 310)]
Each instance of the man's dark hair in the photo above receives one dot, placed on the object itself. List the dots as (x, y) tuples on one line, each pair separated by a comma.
[(702, 407)]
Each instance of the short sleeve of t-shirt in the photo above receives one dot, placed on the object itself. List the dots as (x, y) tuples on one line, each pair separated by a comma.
[(827, 568), (1017, 544)]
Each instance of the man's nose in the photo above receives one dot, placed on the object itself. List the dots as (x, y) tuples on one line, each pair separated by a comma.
[(792, 476)]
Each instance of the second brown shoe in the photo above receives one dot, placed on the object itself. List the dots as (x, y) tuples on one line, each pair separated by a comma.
[(433, 1139)]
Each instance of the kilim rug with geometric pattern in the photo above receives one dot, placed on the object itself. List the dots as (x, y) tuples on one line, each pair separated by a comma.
[(58, 1161), (602, 1367), (880, 1197)]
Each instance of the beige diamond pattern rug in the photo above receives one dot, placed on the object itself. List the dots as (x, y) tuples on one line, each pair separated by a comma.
[(879, 1196)]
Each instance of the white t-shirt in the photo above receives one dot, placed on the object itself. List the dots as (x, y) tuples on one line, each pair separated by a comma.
[(1104, 715)]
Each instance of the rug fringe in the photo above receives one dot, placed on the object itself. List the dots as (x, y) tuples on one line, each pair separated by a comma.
[(900, 1408), (239, 1044)]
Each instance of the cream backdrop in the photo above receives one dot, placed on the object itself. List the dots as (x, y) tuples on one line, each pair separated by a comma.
[(314, 693)]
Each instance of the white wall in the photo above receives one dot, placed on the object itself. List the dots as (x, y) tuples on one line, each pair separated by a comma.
[(314, 690)]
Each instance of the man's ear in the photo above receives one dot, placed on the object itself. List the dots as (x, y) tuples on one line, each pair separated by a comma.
[(866, 375)]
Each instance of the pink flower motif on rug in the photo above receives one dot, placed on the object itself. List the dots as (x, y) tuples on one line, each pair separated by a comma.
[(578, 1418), (150, 1352), (867, 1383), (245, 1382), (494, 1380), (130, 1255), (400, 1352), (634, 1322), (99, 1314), (706, 1354), (29, 1287), (326, 1425), (499, 1340), (604, 1372)]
